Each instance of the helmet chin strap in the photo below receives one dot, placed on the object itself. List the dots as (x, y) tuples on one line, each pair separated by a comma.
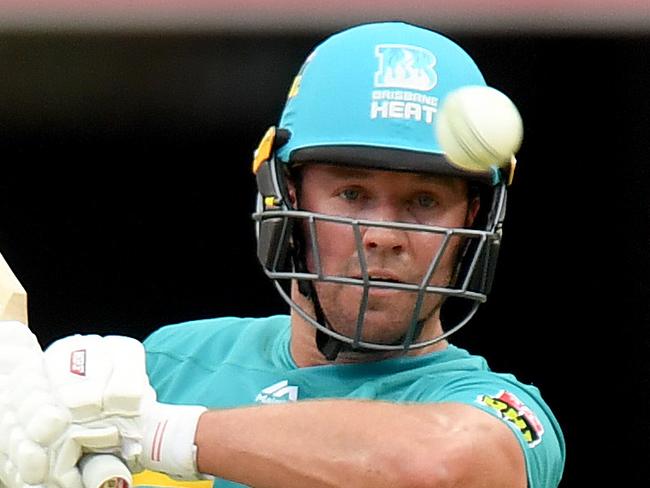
[(329, 346)]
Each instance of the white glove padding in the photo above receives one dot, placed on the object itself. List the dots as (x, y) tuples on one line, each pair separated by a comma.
[(104, 384), (30, 417)]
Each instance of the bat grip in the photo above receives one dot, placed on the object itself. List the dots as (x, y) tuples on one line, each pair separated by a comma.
[(104, 471)]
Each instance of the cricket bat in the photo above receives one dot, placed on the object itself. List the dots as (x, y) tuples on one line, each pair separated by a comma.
[(97, 470)]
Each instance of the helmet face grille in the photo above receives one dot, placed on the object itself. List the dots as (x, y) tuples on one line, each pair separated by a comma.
[(468, 282)]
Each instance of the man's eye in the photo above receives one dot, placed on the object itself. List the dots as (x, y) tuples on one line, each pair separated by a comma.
[(350, 194), (426, 201)]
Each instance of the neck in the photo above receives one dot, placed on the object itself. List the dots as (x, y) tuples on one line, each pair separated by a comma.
[(305, 353)]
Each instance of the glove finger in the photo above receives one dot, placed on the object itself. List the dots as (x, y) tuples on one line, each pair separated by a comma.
[(9, 473), (8, 422), (10, 357), (17, 448), (13, 333), (4, 387), (27, 407), (70, 479), (64, 471), (16, 437), (24, 386), (28, 371), (16, 341), (47, 424), (99, 438), (128, 381), (78, 368), (132, 454), (32, 462), (5, 469)]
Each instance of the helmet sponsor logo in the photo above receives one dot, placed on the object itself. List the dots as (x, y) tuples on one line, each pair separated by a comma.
[(513, 410), (388, 104), (402, 66), (403, 73)]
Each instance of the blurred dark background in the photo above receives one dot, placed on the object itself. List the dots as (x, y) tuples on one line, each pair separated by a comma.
[(126, 196)]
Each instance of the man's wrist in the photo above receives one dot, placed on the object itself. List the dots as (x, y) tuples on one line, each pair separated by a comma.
[(168, 439)]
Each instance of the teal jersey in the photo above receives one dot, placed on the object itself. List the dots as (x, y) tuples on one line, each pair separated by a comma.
[(230, 362)]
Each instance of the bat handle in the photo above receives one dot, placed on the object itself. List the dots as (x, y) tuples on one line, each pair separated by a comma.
[(104, 471)]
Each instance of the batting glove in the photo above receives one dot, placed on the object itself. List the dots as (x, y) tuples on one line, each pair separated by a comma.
[(31, 419), (103, 383)]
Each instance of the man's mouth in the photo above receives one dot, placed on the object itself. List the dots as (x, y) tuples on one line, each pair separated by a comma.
[(384, 280), (380, 277)]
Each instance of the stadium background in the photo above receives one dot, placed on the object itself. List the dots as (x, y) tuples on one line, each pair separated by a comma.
[(127, 135)]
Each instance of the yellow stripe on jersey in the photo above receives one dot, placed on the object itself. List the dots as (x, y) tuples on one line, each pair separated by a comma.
[(149, 478)]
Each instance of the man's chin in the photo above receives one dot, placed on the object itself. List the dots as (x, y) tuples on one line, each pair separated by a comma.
[(378, 328)]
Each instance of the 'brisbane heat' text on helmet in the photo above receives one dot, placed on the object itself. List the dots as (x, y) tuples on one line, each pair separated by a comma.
[(368, 97)]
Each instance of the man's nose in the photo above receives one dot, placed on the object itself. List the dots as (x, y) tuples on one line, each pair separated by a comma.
[(378, 238), (384, 238)]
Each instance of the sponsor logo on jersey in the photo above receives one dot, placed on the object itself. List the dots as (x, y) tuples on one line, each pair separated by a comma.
[(280, 392), (513, 410), (403, 73), (78, 362)]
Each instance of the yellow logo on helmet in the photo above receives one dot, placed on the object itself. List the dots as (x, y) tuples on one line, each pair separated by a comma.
[(263, 151), (295, 86)]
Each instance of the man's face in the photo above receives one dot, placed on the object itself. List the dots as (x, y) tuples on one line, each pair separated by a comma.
[(390, 254)]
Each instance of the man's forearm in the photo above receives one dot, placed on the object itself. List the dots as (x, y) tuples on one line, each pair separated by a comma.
[(334, 443), (315, 444)]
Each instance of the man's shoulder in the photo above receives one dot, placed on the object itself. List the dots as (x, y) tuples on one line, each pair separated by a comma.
[(457, 368), (467, 379), (212, 335)]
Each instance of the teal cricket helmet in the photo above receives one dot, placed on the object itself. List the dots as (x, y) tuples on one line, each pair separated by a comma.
[(368, 97)]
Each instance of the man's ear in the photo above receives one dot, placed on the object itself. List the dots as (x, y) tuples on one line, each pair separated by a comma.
[(291, 192), (293, 186), (472, 210)]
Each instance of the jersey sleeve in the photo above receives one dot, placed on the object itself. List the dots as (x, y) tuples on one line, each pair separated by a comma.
[(521, 408), (158, 367)]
